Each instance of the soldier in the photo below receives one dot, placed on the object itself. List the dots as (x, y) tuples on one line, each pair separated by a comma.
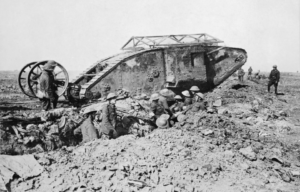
[(109, 117), (177, 106), (250, 71), (156, 106), (257, 75), (194, 90), (274, 79), (163, 95), (48, 87), (241, 74), (187, 98), (87, 128), (198, 97)]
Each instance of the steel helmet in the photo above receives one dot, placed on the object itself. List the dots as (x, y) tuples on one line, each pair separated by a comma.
[(178, 97), (162, 121), (111, 96), (89, 110), (154, 96), (274, 66), (50, 65), (166, 93), (200, 95), (194, 88), (186, 93)]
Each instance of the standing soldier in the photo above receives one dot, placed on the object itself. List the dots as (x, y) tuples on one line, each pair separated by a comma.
[(48, 87), (250, 71), (109, 117), (241, 74), (274, 79)]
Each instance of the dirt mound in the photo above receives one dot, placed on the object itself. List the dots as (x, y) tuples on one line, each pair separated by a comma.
[(247, 141)]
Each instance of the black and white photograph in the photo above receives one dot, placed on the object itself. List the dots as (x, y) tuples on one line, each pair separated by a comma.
[(149, 96)]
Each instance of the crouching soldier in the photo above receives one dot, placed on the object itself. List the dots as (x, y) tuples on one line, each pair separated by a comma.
[(187, 98), (87, 128), (157, 107), (177, 107)]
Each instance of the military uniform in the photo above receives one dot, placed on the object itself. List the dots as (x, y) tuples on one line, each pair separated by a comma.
[(47, 86), (87, 129), (188, 101), (241, 74), (109, 120), (196, 99), (250, 71), (157, 108), (177, 107), (274, 79)]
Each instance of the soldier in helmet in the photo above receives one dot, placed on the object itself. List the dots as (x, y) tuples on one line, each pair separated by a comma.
[(178, 105), (163, 95), (274, 79), (47, 86), (156, 106), (109, 117), (187, 98), (194, 90), (87, 128), (176, 108)]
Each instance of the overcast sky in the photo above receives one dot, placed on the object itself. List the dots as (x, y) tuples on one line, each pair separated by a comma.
[(77, 33)]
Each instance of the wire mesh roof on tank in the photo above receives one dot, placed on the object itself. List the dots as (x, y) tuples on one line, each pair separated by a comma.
[(142, 42)]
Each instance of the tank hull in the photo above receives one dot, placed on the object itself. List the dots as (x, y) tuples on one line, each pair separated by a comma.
[(177, 68)]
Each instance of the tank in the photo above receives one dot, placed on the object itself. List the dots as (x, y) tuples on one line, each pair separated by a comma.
[(148, 64)]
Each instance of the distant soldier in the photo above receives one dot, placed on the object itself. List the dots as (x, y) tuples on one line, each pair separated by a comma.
[(241, 74), (250, 71), (109, 117), (48, 87), (187, 98), (257, 75), (274, 79)]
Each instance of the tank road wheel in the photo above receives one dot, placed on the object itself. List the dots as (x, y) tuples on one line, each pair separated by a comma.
[(60, 75), (22, 79)]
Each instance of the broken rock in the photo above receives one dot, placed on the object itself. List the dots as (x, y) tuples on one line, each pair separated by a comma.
[(248, 153)]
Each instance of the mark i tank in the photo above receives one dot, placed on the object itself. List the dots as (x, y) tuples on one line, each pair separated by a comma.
[(147, 65)]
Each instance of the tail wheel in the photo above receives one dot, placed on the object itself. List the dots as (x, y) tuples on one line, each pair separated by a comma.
[(22, 79), (60, 75)]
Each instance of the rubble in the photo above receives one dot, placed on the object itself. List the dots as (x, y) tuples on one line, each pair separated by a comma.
[(22, 166), (243, 143)]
